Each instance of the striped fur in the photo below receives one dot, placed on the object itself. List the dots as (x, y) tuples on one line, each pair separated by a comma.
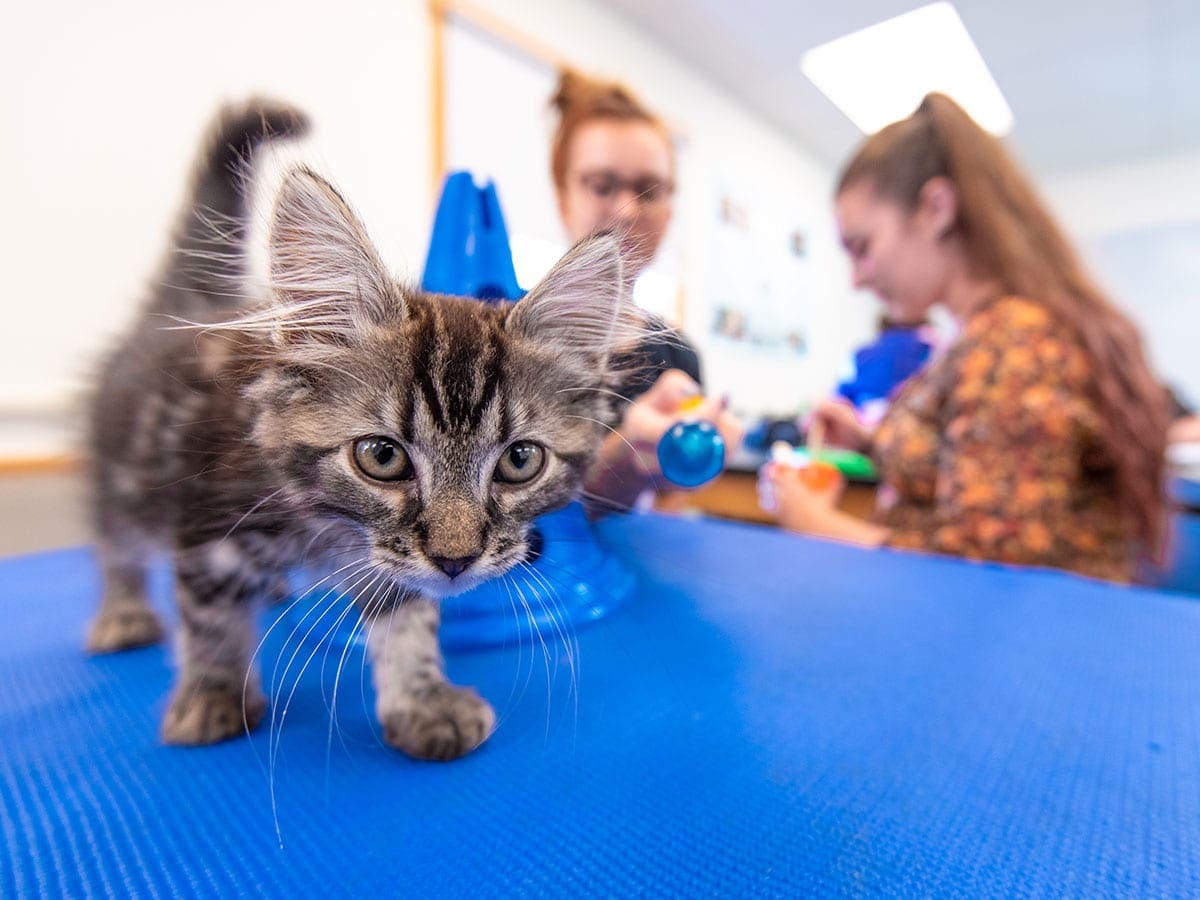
[(231, 442)]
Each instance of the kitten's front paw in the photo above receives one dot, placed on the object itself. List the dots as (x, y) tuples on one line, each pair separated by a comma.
[(122, 628), (205, 716), (443, 722)]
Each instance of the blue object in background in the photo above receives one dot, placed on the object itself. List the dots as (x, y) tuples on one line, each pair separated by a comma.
[(1179, 570), (469, 253), (897, 354), (691, 453)]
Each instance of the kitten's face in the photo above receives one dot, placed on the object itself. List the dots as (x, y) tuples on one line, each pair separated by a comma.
[(440, 427)]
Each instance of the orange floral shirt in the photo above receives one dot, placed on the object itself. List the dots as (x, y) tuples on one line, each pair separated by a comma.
[(995, 452)]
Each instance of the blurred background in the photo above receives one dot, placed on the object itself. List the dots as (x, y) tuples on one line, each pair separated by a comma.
[(103, 105)]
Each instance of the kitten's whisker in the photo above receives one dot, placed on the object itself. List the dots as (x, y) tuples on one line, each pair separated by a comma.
[(596, 390), (559, 619), (330, 599), (375, 615), (512, 691), (380, 582), (273, 750), (636, 456), (387, 642), (526, 620), (283, 614), (545, 650), (552, 586), (250, 511), (299, 675), (605, 502), (334, 595)]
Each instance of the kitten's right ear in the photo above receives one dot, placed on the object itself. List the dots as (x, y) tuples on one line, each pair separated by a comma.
[(584, 305), (325, 274)]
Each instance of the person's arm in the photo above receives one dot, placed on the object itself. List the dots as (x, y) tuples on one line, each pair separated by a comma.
[(1184, 430), (799, 507), (804, 509)]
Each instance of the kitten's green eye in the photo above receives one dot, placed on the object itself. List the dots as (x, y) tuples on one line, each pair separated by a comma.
[(520, 462), (382, 459)]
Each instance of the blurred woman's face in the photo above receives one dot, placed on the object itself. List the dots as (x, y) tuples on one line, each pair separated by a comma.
[(620, 175), (896, 254)]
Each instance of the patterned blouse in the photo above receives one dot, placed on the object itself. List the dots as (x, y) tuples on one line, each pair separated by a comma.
[(994, 452)]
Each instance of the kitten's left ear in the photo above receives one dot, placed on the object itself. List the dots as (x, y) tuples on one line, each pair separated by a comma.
[(325, 272), (584, 306)]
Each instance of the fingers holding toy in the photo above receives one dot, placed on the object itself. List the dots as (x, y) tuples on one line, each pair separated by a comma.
[(680, 438), (672, 390), (670, 437), (651, 415), (716, 410), (837, 423), (800, 498), (694, 449)]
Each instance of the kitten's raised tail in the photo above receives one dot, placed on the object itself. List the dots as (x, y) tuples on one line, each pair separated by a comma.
[(209, 240)]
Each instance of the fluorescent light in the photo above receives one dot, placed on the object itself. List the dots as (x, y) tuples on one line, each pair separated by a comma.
[(878, 75)]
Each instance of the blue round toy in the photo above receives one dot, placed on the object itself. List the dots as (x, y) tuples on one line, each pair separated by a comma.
[(691, 453)]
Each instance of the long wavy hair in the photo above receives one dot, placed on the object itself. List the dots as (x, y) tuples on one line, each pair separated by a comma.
[(1010, 237)]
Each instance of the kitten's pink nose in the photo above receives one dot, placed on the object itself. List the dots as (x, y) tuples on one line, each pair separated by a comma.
[(453, 566)]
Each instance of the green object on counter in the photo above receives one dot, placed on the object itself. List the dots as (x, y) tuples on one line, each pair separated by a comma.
[(849, 463)]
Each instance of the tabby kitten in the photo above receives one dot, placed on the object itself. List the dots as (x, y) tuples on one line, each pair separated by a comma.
[(404, 439)]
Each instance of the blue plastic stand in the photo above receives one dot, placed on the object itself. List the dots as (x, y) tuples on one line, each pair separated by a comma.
[(572, 582), (469, 253)]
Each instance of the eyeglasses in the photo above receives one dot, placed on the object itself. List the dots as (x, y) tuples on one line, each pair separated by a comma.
[(647, 191)]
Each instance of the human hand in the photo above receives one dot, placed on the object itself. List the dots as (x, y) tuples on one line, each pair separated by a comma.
[(652, 414), (647, 419), (839, 424), (801, 499), (628, 461)]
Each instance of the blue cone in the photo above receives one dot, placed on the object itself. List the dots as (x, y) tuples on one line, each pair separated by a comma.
[(469, 253)]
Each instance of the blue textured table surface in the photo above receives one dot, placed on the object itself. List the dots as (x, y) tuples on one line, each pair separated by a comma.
[(769, 716)]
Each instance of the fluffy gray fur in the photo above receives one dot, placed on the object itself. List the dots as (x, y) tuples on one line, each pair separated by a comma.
[(344, 421)]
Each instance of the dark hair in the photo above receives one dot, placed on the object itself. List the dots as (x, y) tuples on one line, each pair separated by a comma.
[(1011, 237), (580, 99)]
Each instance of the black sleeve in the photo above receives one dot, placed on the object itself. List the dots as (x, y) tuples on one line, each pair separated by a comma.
[(666, 350)]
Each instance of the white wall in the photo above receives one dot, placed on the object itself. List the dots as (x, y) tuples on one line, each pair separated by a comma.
[(1138, 226), (725, 144), (103, 105)]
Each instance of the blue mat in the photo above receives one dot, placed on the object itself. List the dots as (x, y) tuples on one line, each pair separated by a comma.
[(769, 716)]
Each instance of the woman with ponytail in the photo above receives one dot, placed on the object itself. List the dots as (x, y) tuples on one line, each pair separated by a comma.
[(613, 166), (1038, 436)]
